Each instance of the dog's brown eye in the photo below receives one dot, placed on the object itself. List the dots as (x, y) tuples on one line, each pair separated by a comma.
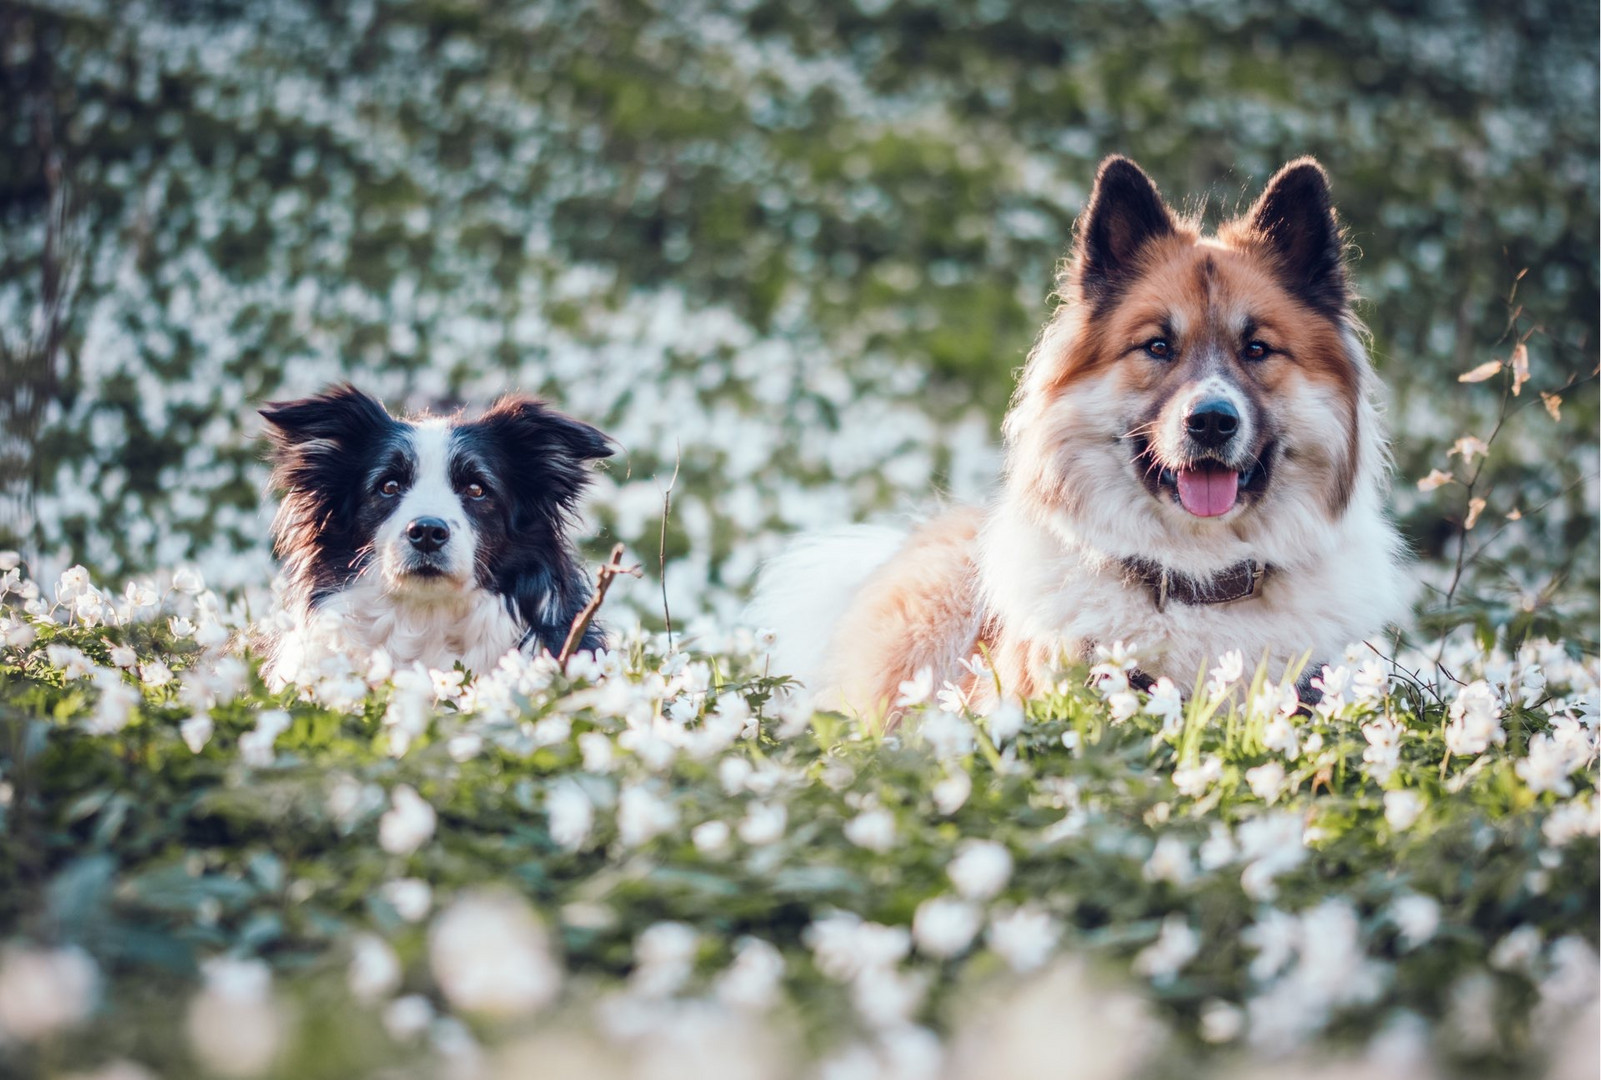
[(1257, 350), (390, 488), (1159, 348), (474, 491)]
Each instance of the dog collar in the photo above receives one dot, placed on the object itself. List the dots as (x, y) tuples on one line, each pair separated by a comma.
[(1242, 581)]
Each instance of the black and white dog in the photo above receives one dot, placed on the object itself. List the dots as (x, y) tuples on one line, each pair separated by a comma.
[(437, 539)]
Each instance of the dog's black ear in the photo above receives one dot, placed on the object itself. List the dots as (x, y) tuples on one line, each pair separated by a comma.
[(341, 414), (548, 451), (542, 428), (1294, 222), (1124, 214)]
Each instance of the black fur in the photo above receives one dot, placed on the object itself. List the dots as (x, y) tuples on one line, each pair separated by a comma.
[(330, 454), (1295, 220), (1124, 213)]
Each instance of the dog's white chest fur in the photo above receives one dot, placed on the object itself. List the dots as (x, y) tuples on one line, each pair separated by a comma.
[(1049, 589), (472, 626)]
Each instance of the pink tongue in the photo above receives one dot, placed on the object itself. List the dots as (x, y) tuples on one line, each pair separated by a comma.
[(1209, 490)]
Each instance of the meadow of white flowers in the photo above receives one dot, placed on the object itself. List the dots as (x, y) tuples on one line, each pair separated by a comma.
[(787, 254), (660, 863)]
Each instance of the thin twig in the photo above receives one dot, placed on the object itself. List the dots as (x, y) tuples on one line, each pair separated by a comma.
[(603, 579), (661, 554)]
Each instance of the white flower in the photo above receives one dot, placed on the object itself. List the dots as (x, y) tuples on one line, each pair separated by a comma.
[(1417, 917), (843, 946), (1518, 950), (1111, 670), (464, 746), (72, 662), (235, 1029), (210, 634), (1383, 752), (44, 990), (1401, 809), (951, 697), (732, 772), (90, 607), (1547, 767), (141, 594), (115, 706), (664, 956), (571, 814), (181, 627), (944, 926), (1023, 937), (1230, 667), (764, 823), (1218, 849), (10, 560), (597, 750), (154, 673), (196, 731), (1005, 722), (408, 824), (952, 792), (710, 837), (641, 816), (405, 1018), (490, 955), (886, 999), (446, 685), (948, 735), (255, 746), (1571, 820), (1170, 861), (1167, 703), (1271, 845), (753, 980), (916, 690), (1193, 780), (16, 633), (1176, 946), (410, 897), (189, 581), (1266, 781), (1475, 720), (374, 968), (1122, 705), (1281, 736), (1572, 977), (1220, 1021), (1370, 682), (873, 829), (980, 870), (73, 581), (1276, 937), (123, 656)]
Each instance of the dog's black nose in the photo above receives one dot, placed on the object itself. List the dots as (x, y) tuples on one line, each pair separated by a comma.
[(428, 534), (1213, 423)]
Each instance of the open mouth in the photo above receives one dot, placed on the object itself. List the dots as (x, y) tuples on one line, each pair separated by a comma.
[(1205, 487)]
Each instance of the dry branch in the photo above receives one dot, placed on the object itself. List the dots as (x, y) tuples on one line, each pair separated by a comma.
[(603, 579)]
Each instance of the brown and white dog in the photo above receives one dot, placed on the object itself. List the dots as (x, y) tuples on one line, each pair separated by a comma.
[(1194, 464)]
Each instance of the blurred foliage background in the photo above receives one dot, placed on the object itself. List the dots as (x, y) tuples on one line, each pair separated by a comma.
[(797, 248)]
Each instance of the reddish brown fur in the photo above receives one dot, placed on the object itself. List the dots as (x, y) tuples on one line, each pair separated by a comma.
[(914, 610)]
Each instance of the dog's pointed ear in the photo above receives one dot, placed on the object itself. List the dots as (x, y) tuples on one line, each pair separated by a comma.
[(541, 426), (1124, 214), (1294, 223), (340, 414)]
